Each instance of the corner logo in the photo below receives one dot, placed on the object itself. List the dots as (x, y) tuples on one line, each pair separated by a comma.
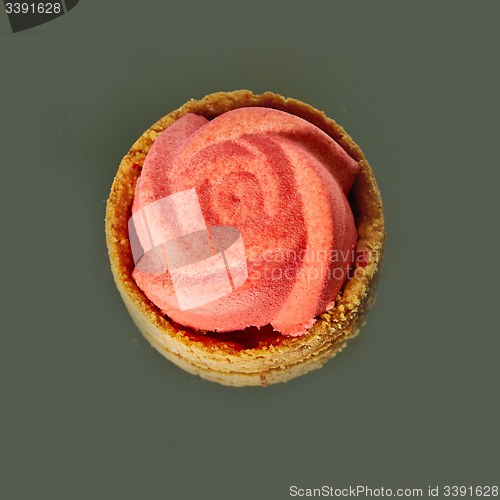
[(204, 263), (25, 15)]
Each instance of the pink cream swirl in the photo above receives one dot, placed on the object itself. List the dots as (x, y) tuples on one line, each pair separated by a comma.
[(283, 184)]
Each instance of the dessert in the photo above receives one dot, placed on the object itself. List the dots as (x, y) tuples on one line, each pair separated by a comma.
[(222, 248)]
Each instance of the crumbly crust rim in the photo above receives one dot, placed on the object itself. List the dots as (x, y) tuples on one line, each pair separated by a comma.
[(268, 357)]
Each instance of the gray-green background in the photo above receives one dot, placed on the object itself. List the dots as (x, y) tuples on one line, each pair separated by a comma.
[(89, 412)]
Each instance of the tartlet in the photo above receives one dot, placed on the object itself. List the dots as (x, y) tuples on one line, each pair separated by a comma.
[(252, 356)]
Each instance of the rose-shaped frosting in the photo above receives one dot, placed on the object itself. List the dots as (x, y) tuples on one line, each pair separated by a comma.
[(281, 184)]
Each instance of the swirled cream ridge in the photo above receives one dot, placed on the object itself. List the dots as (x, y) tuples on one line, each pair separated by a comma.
[(280, 184)]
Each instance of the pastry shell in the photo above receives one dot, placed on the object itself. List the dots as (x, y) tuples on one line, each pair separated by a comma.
[(253, 357)]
